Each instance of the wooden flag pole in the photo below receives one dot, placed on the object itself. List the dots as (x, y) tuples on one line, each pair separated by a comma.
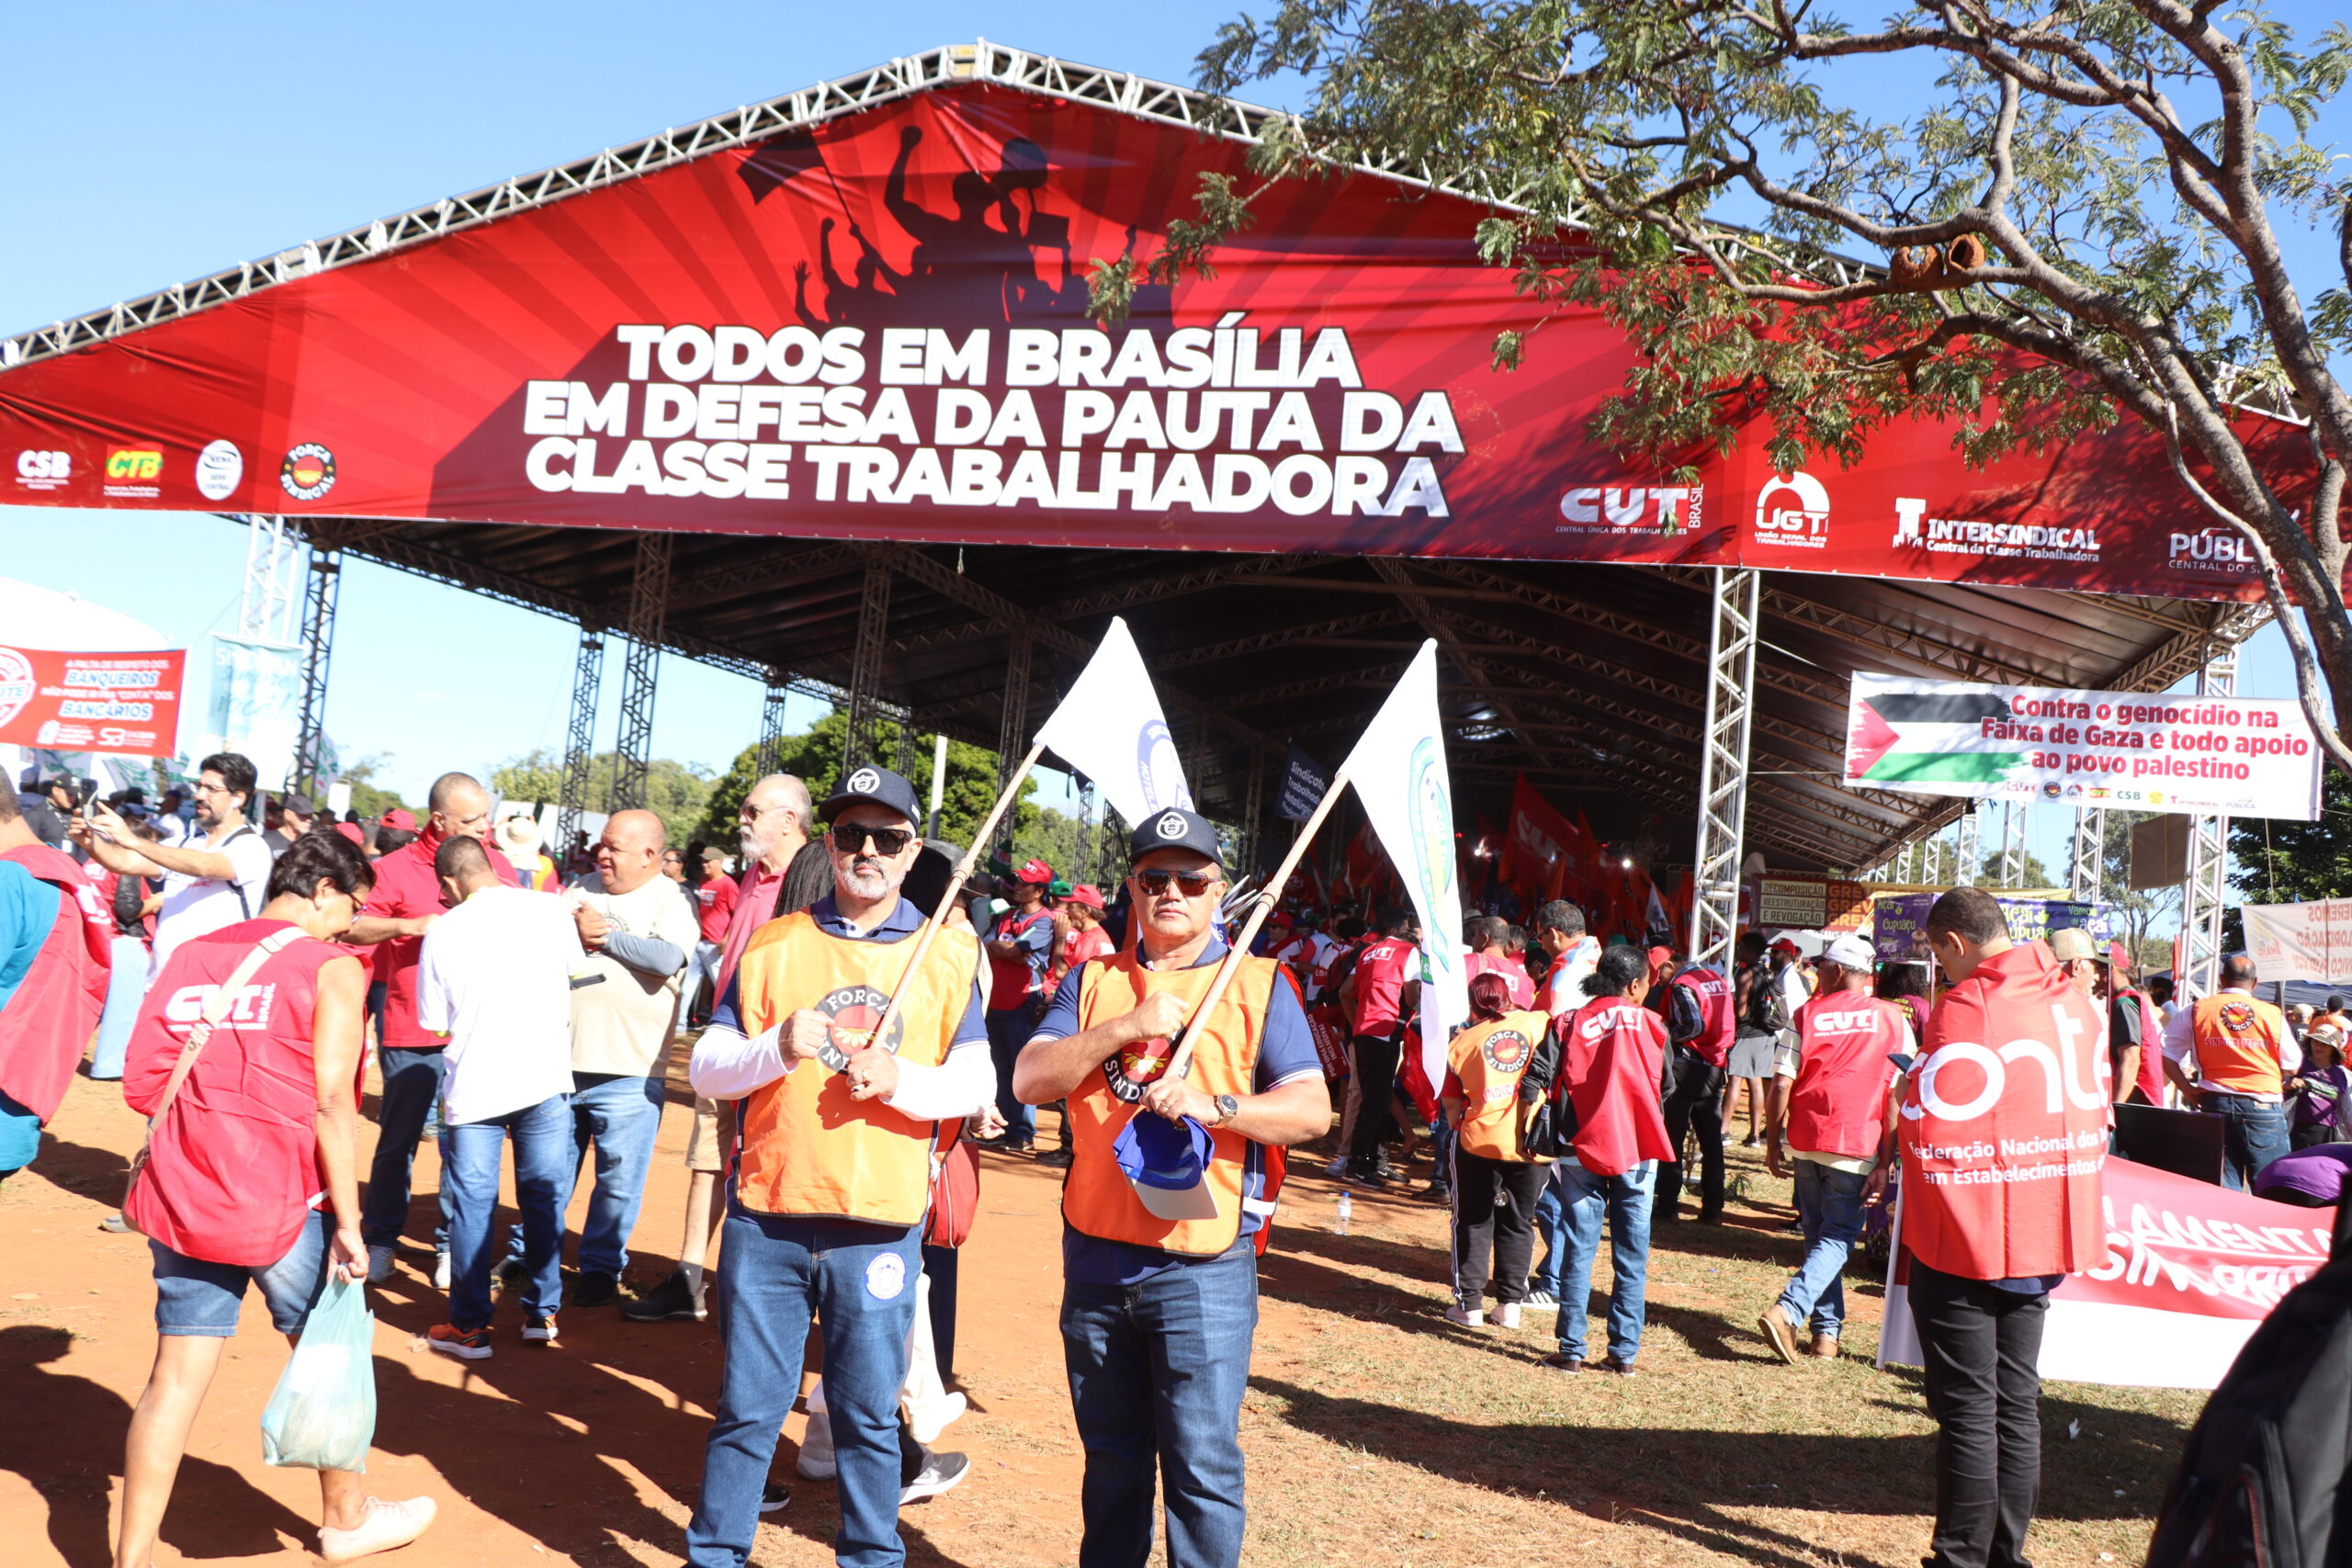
[(1181, 1063), (931, 927)]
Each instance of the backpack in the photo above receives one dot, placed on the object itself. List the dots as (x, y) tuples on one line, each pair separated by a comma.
[(2263, 1479)]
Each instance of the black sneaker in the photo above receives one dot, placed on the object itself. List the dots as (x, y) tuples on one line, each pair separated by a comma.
[(940, 1473), (1360, 1176), (1058, 1159), (669, 1300), (774, 1496), (1438, 1192), (511, 1272), (594, 1290)]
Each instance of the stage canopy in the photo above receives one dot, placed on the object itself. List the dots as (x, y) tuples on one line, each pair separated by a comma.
[(846, 330)]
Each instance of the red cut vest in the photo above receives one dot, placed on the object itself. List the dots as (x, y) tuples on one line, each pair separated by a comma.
[(1489, 1059), (1837, 1105), (1096, 1198), (1615, 1056), (1011, 979), (233, 1172), (48, 1016), (1718, 1020)]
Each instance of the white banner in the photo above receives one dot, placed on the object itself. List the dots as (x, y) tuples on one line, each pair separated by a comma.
[(1110, 728), (1399, 769), (2239, 756), (256, 705), (2301, 941)]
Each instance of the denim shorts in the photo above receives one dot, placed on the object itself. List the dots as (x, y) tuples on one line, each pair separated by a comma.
[(19, 1135), (194, 1297)]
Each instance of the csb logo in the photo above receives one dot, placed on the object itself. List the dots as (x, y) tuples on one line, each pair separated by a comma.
[(44, 470), (1792, 512)]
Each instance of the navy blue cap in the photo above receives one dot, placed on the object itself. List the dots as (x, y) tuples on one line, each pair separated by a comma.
[(1175, 828), (878, 787), (1165, 1163)]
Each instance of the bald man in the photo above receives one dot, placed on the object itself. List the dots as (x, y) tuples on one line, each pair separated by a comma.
[(640, 935)]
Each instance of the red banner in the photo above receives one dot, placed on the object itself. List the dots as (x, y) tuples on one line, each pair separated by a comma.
[(1543, 842), (126, 703), (878, 328)]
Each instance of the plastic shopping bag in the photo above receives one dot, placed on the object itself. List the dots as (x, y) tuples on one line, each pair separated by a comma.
[(323, 1414)]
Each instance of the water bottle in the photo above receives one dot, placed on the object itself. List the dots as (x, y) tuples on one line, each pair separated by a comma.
[(1347, 1211)]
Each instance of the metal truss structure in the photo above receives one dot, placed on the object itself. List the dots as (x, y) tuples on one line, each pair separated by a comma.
[(580, 737), (1967, 852), (1012, 736), (633, 748), (861, 741), (778, 687), (269, 609), (2207, 888), (1722, 768), (318, 648), (2013, 822), (2086, 856)]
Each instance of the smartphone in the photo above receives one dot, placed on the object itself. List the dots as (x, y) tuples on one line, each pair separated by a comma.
[(1902, 1060), (87, 790)]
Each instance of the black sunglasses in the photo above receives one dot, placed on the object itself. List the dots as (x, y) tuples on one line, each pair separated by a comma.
[(849, 839), (1193, 883)]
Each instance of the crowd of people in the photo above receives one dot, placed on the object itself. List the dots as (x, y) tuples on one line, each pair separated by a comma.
[(849, 1057)]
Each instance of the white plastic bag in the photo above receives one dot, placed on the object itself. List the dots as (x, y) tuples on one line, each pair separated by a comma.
[(321, 1415)]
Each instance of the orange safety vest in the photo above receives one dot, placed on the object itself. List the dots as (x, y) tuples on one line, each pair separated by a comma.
[(2237, 1044), (808, 1148), (1096, 1198), (1489, 1058)]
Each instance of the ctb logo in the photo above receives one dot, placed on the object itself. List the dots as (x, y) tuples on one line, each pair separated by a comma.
[(133, 464)]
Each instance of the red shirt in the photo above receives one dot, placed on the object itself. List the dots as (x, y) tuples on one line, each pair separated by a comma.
[(1092, 943), (1381, 975), (406, 889), (1523, 989), (754, 906), (716, 895)]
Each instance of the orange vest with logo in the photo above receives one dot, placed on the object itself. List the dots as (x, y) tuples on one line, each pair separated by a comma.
[(2237, 1044), (1096, 1198), (1489, 1059), (808, 1148)]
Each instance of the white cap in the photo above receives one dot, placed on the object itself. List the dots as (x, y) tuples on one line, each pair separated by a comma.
[(1852, 952)]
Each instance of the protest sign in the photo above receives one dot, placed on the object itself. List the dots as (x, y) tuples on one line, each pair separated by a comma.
[(2133, 750), (2301, 941), (1899, 922), (122, 703), (1303, 784)]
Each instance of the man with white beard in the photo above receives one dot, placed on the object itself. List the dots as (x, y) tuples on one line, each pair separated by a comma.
[(784, 871)]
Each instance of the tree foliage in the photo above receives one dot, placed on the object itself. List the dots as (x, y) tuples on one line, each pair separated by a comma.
[(675, 792), (2282, 862), (814, 756), (368, 798), (2077, 223)]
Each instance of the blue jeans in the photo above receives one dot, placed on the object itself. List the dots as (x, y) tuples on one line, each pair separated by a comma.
[(1626, 1201), (1552, 1225), (1829, 1210), (544, 1158), (1156, 1371), (858, 1281), (621, 1115), (412, 1086), (2253, 1132), (125, 988), (1009, 1030)]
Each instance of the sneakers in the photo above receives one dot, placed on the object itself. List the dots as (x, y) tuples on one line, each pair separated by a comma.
[(1506, 1314), (596, 1288), (380, 1266), (115, 1224), (1466, 1317), (940, 1473), (441, 1269), (539, 1330), (466, 1344), (388, 1525), (666, 1301), (1779, 1332), (1058, 1159), (1540, 1299), (1338, 1169), (774, 1496)]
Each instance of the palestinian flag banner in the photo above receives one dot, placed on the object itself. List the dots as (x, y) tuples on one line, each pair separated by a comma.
[(2134, 751)]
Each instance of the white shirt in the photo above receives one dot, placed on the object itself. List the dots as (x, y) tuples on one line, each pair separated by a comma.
[(495, 976), (1563, 987), (194, 906), (2180, 1045)]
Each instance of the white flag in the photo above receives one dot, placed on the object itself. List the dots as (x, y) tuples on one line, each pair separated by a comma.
[(1109, 727), (1399, 769)]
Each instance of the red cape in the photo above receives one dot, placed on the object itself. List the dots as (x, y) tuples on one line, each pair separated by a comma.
[(49, 1018)]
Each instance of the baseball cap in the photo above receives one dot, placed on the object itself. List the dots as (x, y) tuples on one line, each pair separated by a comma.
[(1658, 955), (872, 785), (1784, 945), (1166, 1163), (1086, 893), (399, 819), (2118, 958), (351, 830), (2070, 942), (1850, 952), (711, 853), (294, 800), (1175, 828)]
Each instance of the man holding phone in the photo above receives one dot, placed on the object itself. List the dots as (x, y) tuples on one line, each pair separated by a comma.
[(211, 881)]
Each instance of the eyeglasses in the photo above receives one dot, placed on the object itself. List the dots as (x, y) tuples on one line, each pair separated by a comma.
[(1193, 883), (849, 839)]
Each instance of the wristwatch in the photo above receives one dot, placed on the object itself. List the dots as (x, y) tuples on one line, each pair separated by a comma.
[(1228, 1107)]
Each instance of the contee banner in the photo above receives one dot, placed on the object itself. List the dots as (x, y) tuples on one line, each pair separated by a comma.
[(2188, 1272), (126, 703), (2133, 750), (878, 328)]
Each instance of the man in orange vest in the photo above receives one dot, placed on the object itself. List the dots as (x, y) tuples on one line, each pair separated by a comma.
[(1157, 1311), (2002, 1135), (2232, 1054), (826, 1202)]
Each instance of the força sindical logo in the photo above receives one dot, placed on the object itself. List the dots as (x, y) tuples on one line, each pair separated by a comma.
[(308, 472), (852, 1015)]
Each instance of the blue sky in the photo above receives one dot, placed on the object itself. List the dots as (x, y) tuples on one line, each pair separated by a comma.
[(154, 147)]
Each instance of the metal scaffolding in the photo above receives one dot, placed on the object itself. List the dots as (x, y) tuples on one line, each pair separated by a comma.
[(2013, 843), (1966, 851), (274, 589), (2207, 887), (1012, 735), (318, 648), (1251, 808), (861, 741), (2086, 856), (648, 597), (580, 739), (771, 701), (1723, 766)]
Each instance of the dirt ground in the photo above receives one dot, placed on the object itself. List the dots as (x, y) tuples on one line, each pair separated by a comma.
[(1377, 1433)]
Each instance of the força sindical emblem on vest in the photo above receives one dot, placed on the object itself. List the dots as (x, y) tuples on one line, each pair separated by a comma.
[(1137, 1068), (2236, 1016), (1507, 1051), (851, 1014)]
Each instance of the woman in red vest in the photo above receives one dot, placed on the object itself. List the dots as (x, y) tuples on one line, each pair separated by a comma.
[(1612, 1071), (1496, 1183)]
